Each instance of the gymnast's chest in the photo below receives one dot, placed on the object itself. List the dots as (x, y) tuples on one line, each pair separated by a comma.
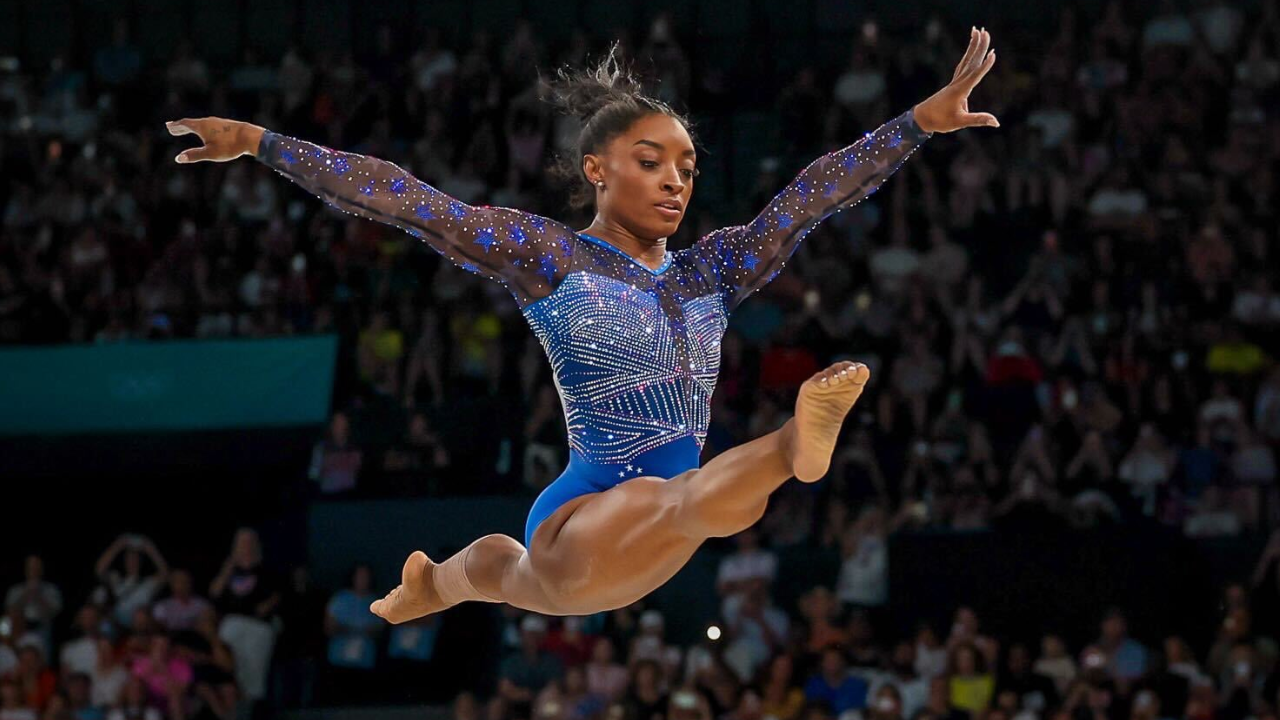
[(630, 325)]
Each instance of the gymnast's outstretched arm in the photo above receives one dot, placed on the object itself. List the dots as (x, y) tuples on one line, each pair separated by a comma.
[(526, 252), (745, 258)]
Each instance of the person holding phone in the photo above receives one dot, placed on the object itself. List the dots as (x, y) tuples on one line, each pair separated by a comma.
[(129, 589)]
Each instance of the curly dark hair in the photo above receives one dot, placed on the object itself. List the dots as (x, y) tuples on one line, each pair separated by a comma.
[(607, 99)]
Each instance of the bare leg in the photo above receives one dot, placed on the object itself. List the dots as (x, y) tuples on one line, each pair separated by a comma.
[(732, 490), (495, 568), (608, 549)]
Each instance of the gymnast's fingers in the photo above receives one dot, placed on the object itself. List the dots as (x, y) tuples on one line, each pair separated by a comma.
[(185, 126), (968, 54), (980, 53), (970, 82)]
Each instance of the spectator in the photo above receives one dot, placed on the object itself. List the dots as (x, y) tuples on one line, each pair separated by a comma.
[(912, 690), (108, 675), (749, 563), (605, 677), (13, 704), (1055, 663), (931, 654), (647, 700), (819, 610), (780, 697), (1035, 692), (81, 655), (37, 601), (80, 700), (36, 681), (353, 633), (1148, 466), (526, 671), (165, 675), (133, 704), (833, 684), (1126, 657), (419, 459), (570, 643), (335, 462), (183, 609), (247, 598), (756, 629), (130, 590), (972, 687)]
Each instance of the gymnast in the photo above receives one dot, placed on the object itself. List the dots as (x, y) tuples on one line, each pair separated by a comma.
[(631, 328)]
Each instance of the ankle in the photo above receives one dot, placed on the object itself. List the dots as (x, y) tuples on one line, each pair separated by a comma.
[(788, 442)]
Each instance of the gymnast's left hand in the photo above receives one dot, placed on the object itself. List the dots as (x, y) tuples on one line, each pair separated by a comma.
[(948, 109)]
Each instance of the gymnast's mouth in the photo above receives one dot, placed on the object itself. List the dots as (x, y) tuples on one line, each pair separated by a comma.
[(669, 208)]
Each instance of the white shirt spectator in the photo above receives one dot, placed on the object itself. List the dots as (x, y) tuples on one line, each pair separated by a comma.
[(864, 575), (51, 595), (131, 593), (930, 662), (78, 656), (1061, 670), (914, 692), (738, 566)]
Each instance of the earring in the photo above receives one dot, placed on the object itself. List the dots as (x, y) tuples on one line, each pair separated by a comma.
[(600, 183)]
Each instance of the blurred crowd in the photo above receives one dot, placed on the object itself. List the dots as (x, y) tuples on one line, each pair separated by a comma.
[(150, 643)]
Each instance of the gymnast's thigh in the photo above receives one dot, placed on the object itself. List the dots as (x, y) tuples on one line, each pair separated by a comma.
[(611, 548)]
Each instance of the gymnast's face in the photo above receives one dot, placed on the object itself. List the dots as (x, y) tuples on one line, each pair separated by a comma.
[(648, 176)]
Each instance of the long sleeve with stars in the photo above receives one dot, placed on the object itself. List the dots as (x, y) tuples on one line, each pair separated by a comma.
[(746, 257), (528, 253)]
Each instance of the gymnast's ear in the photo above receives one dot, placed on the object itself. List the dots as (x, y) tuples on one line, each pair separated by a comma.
[(593, 168)]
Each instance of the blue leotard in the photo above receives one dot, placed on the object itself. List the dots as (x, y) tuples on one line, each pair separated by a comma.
[(635, 350)]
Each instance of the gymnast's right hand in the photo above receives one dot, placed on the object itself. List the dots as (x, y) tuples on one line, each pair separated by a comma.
[(223, 139)]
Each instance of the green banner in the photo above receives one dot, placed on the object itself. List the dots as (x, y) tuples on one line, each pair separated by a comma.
[(166, 385)]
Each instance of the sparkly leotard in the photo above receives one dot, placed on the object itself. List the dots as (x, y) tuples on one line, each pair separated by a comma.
[(635, 350)]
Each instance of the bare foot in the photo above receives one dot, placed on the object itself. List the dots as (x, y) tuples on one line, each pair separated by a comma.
[(824, 400), (414, 597)]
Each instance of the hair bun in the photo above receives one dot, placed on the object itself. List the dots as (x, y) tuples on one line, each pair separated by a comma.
[(583, 92)]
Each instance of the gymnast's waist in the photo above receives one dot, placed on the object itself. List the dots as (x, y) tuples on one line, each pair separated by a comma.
[(665, 461)]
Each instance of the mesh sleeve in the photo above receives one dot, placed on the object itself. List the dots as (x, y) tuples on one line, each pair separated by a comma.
[(527, 253), (746, 257)]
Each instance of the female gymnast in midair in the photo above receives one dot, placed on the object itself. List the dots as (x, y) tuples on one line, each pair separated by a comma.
[(632, 331)]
